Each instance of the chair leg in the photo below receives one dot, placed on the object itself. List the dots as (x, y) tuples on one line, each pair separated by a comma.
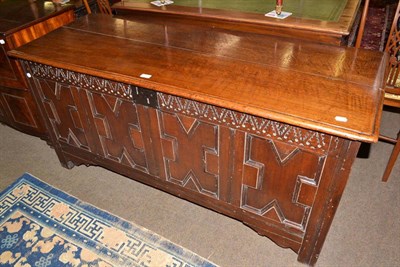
[(392, 160), (88, 10), (362, 24)]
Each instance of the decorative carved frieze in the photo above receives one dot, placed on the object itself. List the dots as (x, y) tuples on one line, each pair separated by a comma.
[(316, 141), (307, 139), (81, 80)]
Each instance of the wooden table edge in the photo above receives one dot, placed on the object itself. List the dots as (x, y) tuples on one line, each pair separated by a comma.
[(68, 8), (370, 137), (329, 27)]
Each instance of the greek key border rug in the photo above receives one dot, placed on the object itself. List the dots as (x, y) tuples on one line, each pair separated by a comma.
[(42, 226)]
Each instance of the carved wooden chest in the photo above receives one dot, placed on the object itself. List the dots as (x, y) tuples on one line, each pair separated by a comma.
[(202, 129)]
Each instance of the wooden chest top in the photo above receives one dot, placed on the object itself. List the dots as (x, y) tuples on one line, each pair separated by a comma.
[(335, 90)]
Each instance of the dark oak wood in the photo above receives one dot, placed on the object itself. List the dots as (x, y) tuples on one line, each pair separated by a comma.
[(325, 31), (20, 14), (243, 129), (259, 76), (21, 22)]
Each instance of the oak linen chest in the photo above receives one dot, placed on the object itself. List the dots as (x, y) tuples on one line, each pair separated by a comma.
[(259, 128)]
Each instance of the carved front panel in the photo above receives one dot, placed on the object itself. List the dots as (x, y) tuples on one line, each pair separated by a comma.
[(279, 180), (190, 150), (118, 128), (93, 113), (275, 169), (62, 103), (265, 170)]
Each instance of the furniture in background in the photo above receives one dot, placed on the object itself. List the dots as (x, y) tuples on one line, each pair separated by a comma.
[(395, 152), (22, 21), (103, 6), (86, 4), (323, 21), (392, 89), (82, 7), (362, 24), (264, 133)]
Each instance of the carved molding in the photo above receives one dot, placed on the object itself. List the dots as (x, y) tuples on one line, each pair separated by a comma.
[(316, 141), (85, 81), (191, 156), (68, 127), (123, 145)]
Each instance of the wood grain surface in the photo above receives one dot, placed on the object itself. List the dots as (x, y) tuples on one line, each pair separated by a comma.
[(260, 128), (335, 90)]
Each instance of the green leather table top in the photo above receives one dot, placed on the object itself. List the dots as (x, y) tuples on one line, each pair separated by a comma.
[(325, 10)]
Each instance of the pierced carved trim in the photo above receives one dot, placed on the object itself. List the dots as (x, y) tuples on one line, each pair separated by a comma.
[(85, 81), (274, 130)]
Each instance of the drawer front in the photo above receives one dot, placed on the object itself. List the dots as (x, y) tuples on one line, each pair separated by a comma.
[(19, 110)]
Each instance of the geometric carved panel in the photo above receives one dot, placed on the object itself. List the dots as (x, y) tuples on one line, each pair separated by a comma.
[(274, 130), (61, 104), (305, 191), (190, 151), (279, 181), (118, 129)]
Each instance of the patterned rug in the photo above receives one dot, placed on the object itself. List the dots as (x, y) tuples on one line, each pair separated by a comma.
[(42, 226), (377, 27)]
